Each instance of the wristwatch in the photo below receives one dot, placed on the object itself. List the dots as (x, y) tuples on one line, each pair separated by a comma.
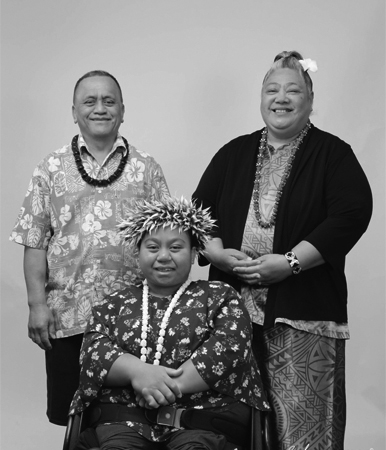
[(293, 262)]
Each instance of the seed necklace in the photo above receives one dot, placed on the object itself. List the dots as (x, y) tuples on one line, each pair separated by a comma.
[(263, 148), (164, 323), (93, 181)]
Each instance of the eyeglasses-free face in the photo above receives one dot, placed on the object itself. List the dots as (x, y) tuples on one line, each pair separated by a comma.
[(286, 103), (98, 109), (165, 258)]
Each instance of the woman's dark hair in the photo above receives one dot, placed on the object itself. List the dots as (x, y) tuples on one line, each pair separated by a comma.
[(290, 60)]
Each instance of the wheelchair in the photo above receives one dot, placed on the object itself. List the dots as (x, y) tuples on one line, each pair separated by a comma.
[(258, 439)]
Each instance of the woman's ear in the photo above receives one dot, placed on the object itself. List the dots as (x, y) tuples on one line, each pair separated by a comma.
[(193, 255)]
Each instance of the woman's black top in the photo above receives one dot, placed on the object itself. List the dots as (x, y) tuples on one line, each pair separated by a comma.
[(326, 201)]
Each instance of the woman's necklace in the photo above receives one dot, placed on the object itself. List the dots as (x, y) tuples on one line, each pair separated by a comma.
[(263, 148), (93, 181), (164, 323)]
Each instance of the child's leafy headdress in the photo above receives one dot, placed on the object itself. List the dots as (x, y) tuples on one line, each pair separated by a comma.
[(182, 214)]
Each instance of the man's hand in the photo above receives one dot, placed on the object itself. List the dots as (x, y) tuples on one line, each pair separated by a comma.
[(41, 325), (41, 320)]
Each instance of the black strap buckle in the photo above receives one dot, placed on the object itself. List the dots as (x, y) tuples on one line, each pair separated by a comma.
[(169, 416)]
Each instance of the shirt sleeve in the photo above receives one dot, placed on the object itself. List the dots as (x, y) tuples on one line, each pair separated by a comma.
[(158, 186), (225, 360), (349, 207), (99, 352), (33, 224), (207, 191)]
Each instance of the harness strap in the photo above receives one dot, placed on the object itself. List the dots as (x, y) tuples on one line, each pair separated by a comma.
[(104, 413), (107, 412), (233, 424)]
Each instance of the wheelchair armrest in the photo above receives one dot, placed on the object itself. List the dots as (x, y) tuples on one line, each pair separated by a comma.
[(73, 430), (260, 431)]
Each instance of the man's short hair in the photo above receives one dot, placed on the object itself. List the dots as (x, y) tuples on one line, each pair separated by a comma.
[(97, 73)]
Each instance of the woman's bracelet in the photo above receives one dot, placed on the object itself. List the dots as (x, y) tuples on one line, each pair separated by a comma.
[(293, 262)]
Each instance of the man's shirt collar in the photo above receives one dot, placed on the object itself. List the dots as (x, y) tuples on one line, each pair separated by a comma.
[(118, 145)]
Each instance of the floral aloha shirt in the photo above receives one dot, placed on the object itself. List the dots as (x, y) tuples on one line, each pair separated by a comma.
[(209, 325), (76, 224)]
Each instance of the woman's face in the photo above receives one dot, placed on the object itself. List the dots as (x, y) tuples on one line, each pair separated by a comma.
[(166, 257), (285, 103)]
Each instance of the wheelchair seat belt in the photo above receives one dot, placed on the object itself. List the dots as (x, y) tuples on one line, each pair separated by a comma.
[(200, 419)]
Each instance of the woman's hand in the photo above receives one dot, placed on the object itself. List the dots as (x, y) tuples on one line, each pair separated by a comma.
[(188, 380), (155, 385), (229, 258), (273, 268), (224, 259), (265, 270)]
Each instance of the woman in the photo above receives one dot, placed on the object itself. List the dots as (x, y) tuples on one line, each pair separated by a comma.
[(168, 364), (290, 202)]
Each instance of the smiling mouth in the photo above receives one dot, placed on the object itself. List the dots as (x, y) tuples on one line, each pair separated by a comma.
[(164, 269), (281, 111)]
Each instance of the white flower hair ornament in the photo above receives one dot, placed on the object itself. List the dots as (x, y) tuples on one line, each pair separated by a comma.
[(308, 64), (182, 214)]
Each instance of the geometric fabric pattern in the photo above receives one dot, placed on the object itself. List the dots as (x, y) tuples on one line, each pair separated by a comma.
[(305, 383), (258, 241)]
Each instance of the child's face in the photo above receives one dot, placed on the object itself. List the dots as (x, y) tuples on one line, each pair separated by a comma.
[(166, 257)]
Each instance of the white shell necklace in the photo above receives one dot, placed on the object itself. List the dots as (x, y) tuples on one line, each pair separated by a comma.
[(164, 323)]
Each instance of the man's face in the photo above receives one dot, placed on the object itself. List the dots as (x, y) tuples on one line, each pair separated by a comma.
[(98, 109)]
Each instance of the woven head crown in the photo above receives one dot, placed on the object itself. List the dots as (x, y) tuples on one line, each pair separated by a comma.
[(182, 214)]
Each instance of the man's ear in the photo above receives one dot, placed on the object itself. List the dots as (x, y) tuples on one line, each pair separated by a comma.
[(74, 114)]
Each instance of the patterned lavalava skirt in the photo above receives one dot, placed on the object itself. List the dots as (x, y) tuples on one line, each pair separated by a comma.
[(304, 375)]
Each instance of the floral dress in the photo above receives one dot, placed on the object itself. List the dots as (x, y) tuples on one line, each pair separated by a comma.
[(209, 325)]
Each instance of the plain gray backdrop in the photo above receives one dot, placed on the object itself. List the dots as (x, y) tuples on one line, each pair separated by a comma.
[(191, 74)]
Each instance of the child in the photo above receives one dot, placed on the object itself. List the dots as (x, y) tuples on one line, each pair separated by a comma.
[(168, 364)]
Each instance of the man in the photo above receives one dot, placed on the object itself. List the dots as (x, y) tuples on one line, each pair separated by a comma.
[(73, 254)]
